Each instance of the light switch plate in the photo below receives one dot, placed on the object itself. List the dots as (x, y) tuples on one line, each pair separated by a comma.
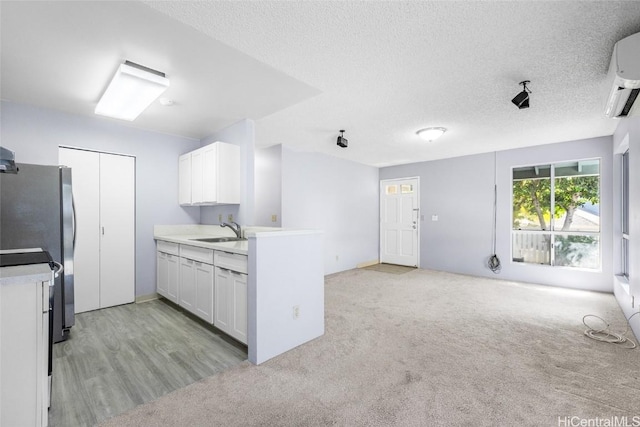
[(434, 217)]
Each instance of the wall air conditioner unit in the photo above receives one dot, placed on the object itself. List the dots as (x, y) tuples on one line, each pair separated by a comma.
[(623, 79)]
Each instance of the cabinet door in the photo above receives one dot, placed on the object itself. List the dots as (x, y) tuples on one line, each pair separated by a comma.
[(173, 272), (184, 179), (187, 292), (210, 173), (238, 304), (228, 173), (85, 176), (162, 274), (204, 291), (24, 352), (222, 291), (197, 158), (117, 230)]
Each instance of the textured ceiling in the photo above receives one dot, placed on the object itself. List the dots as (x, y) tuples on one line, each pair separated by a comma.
[(383, 70)]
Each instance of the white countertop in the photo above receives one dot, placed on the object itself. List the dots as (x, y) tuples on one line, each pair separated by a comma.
[(25, 273), (240, 247), (184, 235)]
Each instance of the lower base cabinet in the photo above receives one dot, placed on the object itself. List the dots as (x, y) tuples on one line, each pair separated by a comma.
[(196, 288), (168, 268), (204, 291), (231, 303), (24, 345), (210, 284)]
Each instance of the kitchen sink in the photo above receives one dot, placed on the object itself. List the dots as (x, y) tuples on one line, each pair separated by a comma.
[(219, 239)]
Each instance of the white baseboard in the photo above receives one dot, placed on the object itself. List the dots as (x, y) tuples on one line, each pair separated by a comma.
[(145, 298)]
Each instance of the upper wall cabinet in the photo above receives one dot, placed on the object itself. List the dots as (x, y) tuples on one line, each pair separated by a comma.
[(210, 175)]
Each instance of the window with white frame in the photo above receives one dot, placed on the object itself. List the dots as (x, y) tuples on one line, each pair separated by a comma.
[(556, 214), (625, 214)]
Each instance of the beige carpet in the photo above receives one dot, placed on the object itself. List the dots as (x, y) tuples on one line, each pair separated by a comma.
[(425, 349)]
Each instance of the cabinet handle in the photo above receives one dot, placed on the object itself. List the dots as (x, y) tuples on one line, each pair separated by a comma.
[(103, 231)]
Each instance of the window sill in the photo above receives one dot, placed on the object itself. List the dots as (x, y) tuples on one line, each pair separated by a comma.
[(623, 282)]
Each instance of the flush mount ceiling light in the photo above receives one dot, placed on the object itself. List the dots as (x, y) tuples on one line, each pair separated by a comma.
[(431, 134), (132, 89), (521, 100)]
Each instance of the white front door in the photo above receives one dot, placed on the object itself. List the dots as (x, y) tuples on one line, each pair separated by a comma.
[(399, 214)]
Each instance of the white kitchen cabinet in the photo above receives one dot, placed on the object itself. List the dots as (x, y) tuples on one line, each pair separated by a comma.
[(196, 281), (231, 294), (210, 175), (168, 268), (24, 348), (187, 294), (204, 291), (184, 179), (104, 255)]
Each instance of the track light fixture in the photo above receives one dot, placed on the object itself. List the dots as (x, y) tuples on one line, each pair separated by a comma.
[(342, 141), (521, 100)]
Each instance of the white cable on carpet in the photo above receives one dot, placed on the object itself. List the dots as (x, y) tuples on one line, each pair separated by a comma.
[(605, 335)]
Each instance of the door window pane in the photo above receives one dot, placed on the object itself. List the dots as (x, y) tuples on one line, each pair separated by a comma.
[(391, 189), (406, 188)]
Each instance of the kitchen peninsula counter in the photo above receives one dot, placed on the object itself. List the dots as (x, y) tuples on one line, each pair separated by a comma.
[(285, 290)]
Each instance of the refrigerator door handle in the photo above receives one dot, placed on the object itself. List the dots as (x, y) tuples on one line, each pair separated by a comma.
[(73, 220)]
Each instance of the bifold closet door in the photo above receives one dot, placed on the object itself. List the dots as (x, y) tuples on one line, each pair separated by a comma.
[(85, 184), (117, 232), (104, 257)]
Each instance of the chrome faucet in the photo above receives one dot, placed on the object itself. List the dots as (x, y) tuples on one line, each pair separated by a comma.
[(237, 229)]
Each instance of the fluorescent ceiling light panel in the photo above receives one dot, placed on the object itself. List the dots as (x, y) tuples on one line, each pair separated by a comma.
[(131, 91)]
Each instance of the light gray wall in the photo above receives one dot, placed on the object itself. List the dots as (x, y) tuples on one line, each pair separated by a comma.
[(268, 185), (461, 192), (628, 132), (242, 134), (36, 133), (337, 196)]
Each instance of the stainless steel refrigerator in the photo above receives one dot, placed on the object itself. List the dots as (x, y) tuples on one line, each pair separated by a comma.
[(36, 211)]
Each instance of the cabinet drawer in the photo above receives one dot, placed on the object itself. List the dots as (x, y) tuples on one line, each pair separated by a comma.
[(168, 247), (198, 254), (234, 262)]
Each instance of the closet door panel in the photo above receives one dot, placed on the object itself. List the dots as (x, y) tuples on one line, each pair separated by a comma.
[(85, 176), (117, 230)]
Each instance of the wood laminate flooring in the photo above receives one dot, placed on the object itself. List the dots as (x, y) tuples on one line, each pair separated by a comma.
[(120, 357)]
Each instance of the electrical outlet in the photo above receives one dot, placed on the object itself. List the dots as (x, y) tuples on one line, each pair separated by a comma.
[(296, 311), (274, 218), (337, 258), (230, 217), (434, 217), (220, 218)]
